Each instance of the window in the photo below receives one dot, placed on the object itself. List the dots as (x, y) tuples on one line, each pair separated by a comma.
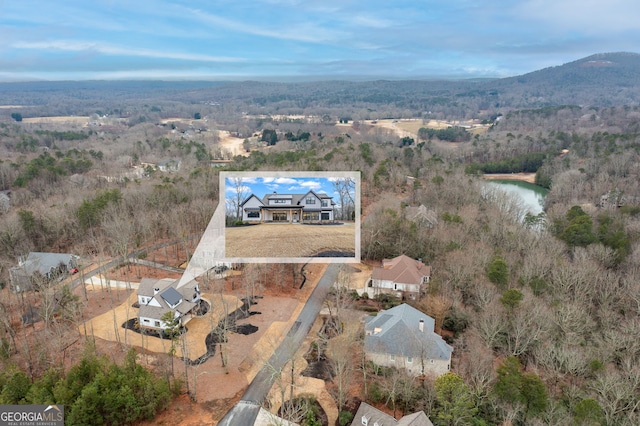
[(279, 216), (392, 358), (409, 360), (310, 200), (324, 203), (310, 216), (253, 214), (145, 320), (156, 323), (279, 201)]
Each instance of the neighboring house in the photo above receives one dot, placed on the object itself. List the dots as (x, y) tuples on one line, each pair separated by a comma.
[(293, 208), (370, 416), (266, 418), (401, 276), (157, 297), (403, 337), (168, 165), (421, 216), (40, 266)]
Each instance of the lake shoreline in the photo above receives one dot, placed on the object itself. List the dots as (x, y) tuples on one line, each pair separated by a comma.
[(524, 177)]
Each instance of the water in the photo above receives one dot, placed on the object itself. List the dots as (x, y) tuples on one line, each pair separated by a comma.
[(532, 195)]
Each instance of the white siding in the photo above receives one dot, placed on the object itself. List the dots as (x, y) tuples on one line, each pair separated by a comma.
[(253, 202)]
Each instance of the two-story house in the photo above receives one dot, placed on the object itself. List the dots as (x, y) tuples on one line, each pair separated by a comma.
[(157, 297), (401, 276), (403, 337), (292, 208)]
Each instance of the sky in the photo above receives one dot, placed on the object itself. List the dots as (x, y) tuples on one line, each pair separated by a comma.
[(260, 186), (291, 40)]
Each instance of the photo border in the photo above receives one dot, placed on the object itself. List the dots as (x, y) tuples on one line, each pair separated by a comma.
[(224, 175)]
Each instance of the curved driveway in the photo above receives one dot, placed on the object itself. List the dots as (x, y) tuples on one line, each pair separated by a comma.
[(244, 413)]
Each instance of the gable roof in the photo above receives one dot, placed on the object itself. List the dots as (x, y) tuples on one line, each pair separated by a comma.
[(45, 262), (249, 197), (421, 214), (396, 331), (168, 295), (373, 415), (401, 269), (171, 296)]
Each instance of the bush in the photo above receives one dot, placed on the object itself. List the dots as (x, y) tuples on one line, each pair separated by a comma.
[(345, 418)]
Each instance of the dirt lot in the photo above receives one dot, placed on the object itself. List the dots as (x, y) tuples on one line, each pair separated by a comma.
[(525, 177), (289, 240), (60, 119)]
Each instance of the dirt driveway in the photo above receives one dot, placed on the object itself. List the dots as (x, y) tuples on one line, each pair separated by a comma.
[(289, 240)]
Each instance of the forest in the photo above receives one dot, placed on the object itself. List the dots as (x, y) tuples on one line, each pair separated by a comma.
[(543, 313)]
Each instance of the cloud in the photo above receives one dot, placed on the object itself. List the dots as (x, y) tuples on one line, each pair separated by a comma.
[(108, 49), (310, 184), (307, 32)]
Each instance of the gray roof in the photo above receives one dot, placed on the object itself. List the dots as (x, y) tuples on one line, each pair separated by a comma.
[(46, 262), (147, 285), (398, 333), (373, 415), (171, 296), (168, 295), (295, 198)]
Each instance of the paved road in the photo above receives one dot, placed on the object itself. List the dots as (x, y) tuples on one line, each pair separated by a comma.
[(244, 413)]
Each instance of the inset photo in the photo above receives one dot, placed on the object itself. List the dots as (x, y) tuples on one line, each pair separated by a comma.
[(292, 216)]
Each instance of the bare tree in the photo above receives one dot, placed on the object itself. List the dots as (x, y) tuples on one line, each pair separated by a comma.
[(340, 354), (346, 189), (240, 193)]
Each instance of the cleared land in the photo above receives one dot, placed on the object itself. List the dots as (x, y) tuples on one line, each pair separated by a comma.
[(59, 119), (289, 240), (525, 177)]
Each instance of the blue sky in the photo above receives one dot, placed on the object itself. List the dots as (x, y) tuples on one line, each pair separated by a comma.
[(261, 186), (291, 39)]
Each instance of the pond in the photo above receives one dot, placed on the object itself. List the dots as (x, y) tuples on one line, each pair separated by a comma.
[(532, 195)]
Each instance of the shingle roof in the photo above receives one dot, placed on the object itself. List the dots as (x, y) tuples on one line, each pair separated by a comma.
[(167, 293), (398, 333), (401, 269), (373, 415), (45, 262), (147, 286)]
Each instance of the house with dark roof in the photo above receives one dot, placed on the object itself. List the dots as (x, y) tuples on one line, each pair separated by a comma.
[(403, 337), (292, 208), (40, 267), (401, 276), (371, 416), (157, 297)]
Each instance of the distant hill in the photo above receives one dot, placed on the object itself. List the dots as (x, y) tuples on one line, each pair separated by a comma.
[(604, 79)]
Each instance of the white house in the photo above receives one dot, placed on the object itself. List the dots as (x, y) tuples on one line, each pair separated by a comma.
[(292, 208), (157, 297), (404, 337), (401, 276)]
